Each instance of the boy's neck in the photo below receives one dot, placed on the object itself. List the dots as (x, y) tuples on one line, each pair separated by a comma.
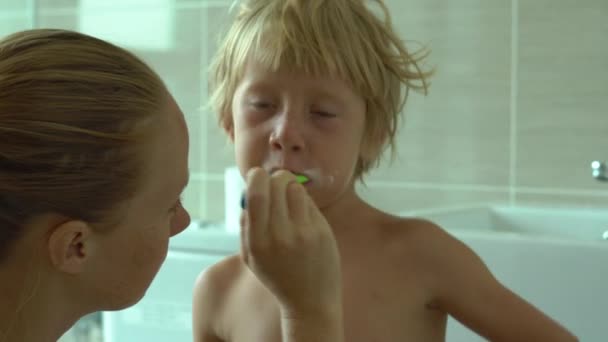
[(348, 212)]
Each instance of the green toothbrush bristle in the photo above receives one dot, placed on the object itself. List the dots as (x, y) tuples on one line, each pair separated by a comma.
[(302, 179)]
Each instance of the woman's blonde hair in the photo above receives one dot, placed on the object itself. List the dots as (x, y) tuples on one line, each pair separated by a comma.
[(341, 38), (73, 113)]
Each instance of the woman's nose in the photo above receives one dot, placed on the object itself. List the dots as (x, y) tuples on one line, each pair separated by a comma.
[(181, 222)]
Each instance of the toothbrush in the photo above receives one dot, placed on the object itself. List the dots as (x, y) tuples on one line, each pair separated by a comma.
[(302, 179)]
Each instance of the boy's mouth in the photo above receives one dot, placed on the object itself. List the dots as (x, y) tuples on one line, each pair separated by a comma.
[(301, 177)]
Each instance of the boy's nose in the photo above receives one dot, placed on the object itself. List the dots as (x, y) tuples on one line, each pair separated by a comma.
[(287, 134)]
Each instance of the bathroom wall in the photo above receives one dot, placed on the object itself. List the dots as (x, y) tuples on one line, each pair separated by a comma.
[(516, 112), (15, 15)]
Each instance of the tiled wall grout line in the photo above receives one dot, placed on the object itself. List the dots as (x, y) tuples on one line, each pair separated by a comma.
[(514, 87)]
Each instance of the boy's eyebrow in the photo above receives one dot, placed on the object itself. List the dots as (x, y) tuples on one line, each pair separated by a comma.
[(325, 95), (259, 85)]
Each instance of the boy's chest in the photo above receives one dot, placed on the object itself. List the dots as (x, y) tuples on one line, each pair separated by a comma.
[(374, 310)]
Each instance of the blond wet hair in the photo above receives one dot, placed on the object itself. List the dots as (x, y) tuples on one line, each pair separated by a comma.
[(345, 39)]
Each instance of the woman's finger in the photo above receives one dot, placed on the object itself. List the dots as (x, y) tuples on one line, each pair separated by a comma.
[(258, 207), (279, 214), (297, 203)]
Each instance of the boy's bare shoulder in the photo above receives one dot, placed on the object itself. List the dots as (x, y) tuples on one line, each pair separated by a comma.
[(212, 291), (420, 239), (435, 254), (224, 271), (412, 231), (219, 279)]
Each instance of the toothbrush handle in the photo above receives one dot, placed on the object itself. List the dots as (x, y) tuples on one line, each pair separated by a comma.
[(243, 200)]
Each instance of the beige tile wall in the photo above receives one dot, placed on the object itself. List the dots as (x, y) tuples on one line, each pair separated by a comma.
[(516, 112), (562, 121), (454, 145), (519, 105), (14, 16)]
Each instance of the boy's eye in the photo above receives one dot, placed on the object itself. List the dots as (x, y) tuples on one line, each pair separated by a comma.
[(261, 105), (324, 114)]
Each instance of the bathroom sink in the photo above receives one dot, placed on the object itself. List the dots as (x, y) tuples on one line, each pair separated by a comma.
[(562, 223)]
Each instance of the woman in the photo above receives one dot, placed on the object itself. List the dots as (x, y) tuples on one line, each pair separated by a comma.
[(93, 159)]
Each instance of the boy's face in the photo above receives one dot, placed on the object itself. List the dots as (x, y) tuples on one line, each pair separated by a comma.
[(308, 125)]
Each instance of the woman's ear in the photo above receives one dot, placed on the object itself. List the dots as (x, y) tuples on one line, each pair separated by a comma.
[(70, 246)]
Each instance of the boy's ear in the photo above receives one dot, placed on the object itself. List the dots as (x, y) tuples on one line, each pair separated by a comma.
[(370, 148), (70, 246)]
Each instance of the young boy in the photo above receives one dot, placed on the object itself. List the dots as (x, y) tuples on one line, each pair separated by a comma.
[(316, 87)]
